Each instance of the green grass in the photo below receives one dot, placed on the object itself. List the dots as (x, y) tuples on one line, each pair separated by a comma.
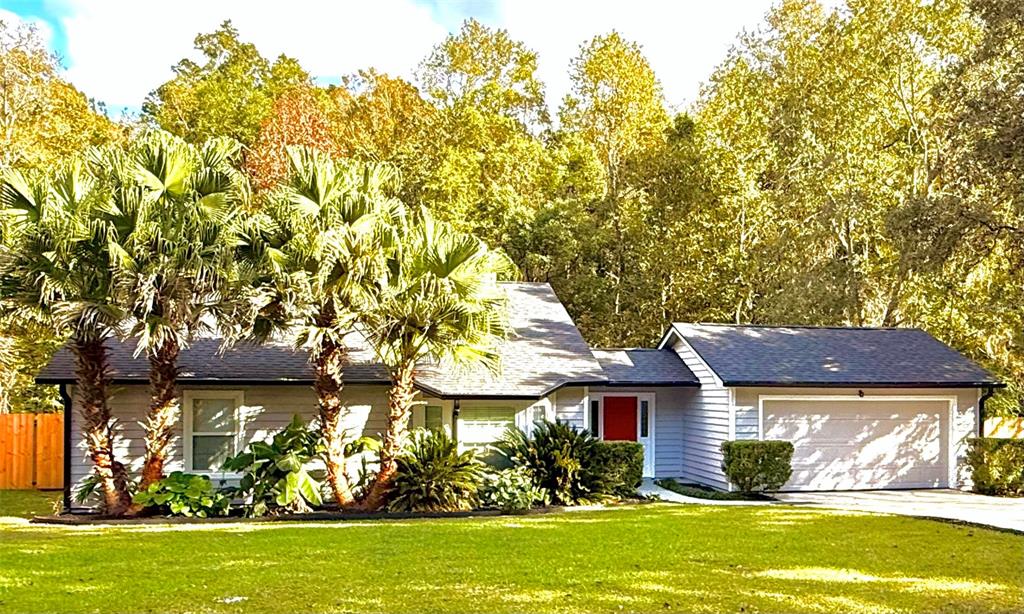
[(28, 503), (703, 492), (657, 557)]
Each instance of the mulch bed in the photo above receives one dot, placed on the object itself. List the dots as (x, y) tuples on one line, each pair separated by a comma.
[(85, 519)]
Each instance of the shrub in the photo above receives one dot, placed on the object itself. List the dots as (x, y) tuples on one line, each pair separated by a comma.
[(558, 456), (997, 465), (511, 490), (433, 476), (619, 466), (184, 494), (757, 466), (275, 477)]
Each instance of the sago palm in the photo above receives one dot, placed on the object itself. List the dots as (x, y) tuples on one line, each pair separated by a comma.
[(321, 241), (56, 263), (172, 218), (438, 302)]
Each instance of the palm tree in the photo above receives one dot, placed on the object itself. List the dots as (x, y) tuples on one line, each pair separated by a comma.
[(172, 218), (321, 239), (439, 302), (56, 264)]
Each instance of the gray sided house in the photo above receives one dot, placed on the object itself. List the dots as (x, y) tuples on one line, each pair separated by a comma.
[(864, 408)]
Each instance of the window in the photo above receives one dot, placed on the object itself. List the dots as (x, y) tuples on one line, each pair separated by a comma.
[(432, 418), (595, 418), (481, 426), (645, 418), (211, 428)]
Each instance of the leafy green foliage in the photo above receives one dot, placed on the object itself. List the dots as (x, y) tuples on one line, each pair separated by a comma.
[(757, 466), (433, 476), (275, 476), (511, 490), (184, 494), (229, 95), (559, 459), (997, 466), (620, 465)]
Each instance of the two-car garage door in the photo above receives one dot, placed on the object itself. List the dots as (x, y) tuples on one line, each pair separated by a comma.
[(862, 444)]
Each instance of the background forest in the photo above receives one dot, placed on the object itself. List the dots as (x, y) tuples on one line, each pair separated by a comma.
[(861, 166)]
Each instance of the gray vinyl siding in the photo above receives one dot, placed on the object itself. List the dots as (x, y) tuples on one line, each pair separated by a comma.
[(266, 410), (569, 404), (705, 424), (670, 404), (746, 422)]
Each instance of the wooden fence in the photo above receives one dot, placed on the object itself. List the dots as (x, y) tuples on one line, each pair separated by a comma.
[(1004, 426), (31, 451)]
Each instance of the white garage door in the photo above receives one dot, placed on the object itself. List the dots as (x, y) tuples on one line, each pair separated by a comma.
[(850, 445)]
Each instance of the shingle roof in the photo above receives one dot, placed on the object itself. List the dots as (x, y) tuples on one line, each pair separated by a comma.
[(808, 356), (640, 367), (545, 352)]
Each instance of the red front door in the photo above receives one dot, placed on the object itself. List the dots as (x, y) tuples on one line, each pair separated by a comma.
[(619, 419)]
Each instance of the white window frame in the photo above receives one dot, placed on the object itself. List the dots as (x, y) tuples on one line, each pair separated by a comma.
[(952, 400), (188, 396)]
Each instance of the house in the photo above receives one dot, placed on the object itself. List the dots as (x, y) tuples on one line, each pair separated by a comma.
[(864, 407)]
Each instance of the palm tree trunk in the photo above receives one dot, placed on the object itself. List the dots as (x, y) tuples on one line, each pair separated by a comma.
[(93, 378), (164, 409), (328, 383), (401, 398)]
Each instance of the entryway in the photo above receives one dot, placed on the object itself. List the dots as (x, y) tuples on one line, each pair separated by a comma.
[(626, 417)]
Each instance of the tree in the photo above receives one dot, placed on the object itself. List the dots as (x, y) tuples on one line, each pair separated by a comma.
[(321, 241), (43, 119), (304, 116), (172, 225), (439, 301), (56, 263), (230, 95), (487, 70), (615, 106)]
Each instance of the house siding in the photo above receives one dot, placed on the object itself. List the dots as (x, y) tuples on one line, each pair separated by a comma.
[(265, 410), (570, 405), (964, 424), (705, 424)]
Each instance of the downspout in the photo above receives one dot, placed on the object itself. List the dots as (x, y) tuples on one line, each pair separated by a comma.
[(65, 399), (981, 409)]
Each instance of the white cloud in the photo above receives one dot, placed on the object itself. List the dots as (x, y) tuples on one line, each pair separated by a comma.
[(120, 50), (15, 21)]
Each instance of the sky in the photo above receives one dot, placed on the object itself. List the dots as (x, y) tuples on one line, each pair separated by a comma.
[(118, 51)]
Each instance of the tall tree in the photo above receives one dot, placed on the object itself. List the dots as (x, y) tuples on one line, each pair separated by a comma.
[(321, 241), (172, 221), (616, 106), (438, 301), (229, 95), (56, 263)]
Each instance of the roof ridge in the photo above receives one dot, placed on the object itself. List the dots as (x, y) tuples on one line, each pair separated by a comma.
[(803, 326)]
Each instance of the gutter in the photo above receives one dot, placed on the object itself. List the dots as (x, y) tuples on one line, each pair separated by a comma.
[(65, 399), (991, 390)]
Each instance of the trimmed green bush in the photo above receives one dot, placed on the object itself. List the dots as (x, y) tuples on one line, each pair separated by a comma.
[(997, 465), (619, 465), (184, 494), (433, 476), (757, 466)]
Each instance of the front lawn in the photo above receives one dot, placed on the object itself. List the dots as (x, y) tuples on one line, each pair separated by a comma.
[(29, 503), (646, 558)]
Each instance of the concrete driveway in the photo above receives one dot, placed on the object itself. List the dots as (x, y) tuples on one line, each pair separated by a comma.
[(1002, 512)]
